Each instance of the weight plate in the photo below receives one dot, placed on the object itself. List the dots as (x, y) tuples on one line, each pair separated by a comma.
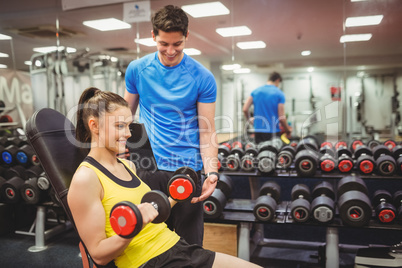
[(126, 219), (187, 171), (161, 202), (323, 209), (366, 164)]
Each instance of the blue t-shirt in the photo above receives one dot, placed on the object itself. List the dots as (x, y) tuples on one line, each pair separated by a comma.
[(266, 99), (168, 99)]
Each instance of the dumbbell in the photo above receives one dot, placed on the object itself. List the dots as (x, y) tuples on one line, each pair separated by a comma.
[(365, 162), (2, 181), (34, 171), (293, 142), (267, 157), (265, 204), (327, 161), (223, 153), (26, 156), (397, 153), (15, 171), (236, 153), (213, 206), (373, 143), (126, 219), (390, 144), (385, 211), (8, 155), (300, 207), (286, 156), (323, 204), (31, 191), (277, 143), (386, 164), (10, 190), (340, 144), (18, 142), (345, 160), (306, 162), (248, 161), (353, 202), (309, 142), (183, 183), (355, 144), (397, 199)]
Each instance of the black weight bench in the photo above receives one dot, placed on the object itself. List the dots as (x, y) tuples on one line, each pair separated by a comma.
[(52, 137)]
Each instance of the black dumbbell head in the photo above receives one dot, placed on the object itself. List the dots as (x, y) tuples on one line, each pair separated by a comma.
[(162, 203), (324, 188), (362, 149), (381, 196), (373, 143), (214, 204), (300, 191), (386, 165), (265, 207), (351, 183), (397, 151), (271, 188), (225, 183), (126, 219), (380, 150), (354, 208)]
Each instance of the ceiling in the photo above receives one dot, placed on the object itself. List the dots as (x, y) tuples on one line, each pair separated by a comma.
[(287, 27)]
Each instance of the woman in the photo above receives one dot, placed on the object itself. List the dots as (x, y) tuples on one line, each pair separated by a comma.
[(103, 180)]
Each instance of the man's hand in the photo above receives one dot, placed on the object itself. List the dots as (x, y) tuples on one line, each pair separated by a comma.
[(207, 188)]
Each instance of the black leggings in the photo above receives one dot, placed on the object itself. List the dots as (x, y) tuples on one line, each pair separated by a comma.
[(261, 136), (186, 219)]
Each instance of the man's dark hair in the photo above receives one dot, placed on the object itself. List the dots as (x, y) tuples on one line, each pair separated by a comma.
[(170, 19), (275, 76)]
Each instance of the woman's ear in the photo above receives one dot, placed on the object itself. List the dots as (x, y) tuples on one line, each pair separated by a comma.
[(93, 124)]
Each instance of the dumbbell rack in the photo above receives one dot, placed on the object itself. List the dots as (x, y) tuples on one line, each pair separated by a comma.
[(240, 211)]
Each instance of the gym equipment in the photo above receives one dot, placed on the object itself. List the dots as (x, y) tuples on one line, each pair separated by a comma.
[(373, 143), (182, 185), (385, 163), (249, 160), (34, 171), (390, 144), (323, 204), (2, 181), (345, 160), (16, 171), (355, 144), (31, 193), (286, 156), (300, 206), (213, 206), (223, 153), (397, 200), (309, 142), (236, 153), (267, 156), (265, 205), (327, 161), (9, 155), (397, 153), (26, 156), (378, 257), (306, 162), (365, 162), (353, 202), (385, 211), (126, 219), (10, 190), (340, 143)]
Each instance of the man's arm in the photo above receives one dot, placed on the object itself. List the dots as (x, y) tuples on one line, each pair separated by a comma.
[(208, 148), (133, 100), (282, 119)]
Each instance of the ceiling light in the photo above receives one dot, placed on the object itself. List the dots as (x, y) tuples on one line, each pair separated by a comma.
[(206, 9), (149, 42), (306, 53), (231, 67), (3, 55), (28, 62), (5, 37), (234, 31), (2, 66), (242, 71), (53, 48), (355, 37), (363, 21), (109, 24), (310, 69), (251, 45), (192, 51)]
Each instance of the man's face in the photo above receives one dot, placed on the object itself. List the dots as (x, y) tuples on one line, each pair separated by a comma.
[(170, 47)]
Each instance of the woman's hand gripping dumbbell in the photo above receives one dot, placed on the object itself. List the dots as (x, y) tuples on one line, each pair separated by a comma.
[(128, 219)]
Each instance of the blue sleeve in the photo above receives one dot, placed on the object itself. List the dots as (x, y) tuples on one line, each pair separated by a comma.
[(281, 97), (130, 78), (208, 89)]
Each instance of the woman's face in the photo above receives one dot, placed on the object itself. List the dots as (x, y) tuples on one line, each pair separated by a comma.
[(114, 129)]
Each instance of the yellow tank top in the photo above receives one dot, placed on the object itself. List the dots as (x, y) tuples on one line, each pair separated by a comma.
[(154, 239)]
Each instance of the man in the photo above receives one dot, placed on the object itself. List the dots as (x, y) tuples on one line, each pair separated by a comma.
[(269, 110), (176, 95)]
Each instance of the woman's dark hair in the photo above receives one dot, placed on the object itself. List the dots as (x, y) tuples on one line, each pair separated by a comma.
[(170, 19), (94, 102)]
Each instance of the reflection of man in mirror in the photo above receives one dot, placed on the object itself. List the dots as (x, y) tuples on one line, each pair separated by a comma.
[(176, 96), (269, 110)]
